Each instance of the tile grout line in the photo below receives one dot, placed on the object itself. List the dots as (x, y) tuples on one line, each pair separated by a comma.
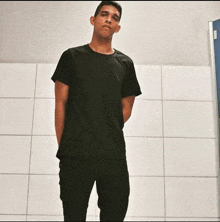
[(156, 137), (146, 176), (158, 217), (58, 215), (128, 216), (168, 100), (164, 178), (31, 142)]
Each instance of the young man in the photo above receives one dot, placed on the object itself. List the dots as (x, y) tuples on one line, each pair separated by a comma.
[(95, 88)]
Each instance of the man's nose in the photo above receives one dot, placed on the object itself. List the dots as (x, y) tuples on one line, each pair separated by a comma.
[(109, 20)]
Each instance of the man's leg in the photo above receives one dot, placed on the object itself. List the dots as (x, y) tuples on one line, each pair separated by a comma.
[(113, 189), (76, 182)]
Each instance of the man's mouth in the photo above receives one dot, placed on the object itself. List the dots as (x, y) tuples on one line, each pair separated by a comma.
[(106, 26)]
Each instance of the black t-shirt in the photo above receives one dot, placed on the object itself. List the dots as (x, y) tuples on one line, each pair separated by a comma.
[(93, 126)]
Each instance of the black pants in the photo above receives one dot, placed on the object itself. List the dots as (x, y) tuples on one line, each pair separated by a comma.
[(77, 178)]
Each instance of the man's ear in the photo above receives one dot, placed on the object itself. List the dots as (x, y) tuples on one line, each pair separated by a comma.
[(118, 29), (92, 19)]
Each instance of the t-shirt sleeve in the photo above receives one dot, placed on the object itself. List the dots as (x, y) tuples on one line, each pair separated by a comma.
[(64, 69), (130, 85)]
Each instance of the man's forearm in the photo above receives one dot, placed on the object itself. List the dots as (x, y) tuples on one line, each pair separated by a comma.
[(59, 121), (126, 114), (127, 104)]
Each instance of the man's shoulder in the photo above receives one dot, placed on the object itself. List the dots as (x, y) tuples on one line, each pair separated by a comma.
[(123, 56), (74, 51), (77, 50)]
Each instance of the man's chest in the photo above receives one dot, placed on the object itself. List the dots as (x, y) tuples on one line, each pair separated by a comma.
[(104, 74)]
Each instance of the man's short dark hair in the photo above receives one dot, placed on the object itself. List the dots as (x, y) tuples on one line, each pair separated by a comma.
[(113, 3)]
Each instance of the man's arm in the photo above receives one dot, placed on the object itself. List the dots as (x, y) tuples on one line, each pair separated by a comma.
[(127, 104), (61, 96)]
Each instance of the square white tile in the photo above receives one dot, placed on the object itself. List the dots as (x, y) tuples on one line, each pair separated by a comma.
[(190, 157), (16, 116), (44, 117), (44, 218), (149, 78), (144, 156), (43, 155), (44, 196), (145, 120), (146, 197), (13, 192), (17, 79), (144, 219), (187, 83), (45, 86), (193, 219), (15, 153), (191, 197), (188, 119), (12, 217)]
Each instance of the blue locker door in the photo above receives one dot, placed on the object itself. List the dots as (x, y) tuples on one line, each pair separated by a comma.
[(216, 26)]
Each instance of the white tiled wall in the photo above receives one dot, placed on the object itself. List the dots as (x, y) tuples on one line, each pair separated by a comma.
[(170, 142)]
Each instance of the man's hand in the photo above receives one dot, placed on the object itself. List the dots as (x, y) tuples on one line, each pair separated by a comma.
[(127, 104)]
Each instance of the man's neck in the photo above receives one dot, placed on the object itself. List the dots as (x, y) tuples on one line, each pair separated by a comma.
[(104, 47)]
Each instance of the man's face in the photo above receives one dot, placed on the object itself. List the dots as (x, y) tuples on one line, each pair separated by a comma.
[(106, 23)]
